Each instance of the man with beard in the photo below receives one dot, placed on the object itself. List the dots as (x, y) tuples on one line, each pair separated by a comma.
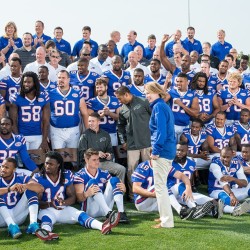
[(221, 82), (174, 70), (155, 75), (83, 79), (244, 160), (242, 129), (11, 84), (190, 43), (18, 199), (137, 86), (107, 107), (30, 111), (66, 103), (208, 101), (27, 52), (11, 145), (117, 77)]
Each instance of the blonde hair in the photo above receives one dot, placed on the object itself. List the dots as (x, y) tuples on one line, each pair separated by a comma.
[(235, 76), (155, 88), (15, 32)]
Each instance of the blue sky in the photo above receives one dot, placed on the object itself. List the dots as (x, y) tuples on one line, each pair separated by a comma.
[(146, 17)]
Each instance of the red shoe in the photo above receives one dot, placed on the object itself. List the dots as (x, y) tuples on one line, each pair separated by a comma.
[(111, 222), (46, 235)]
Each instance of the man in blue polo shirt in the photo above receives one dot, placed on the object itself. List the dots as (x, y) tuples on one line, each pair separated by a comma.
[(39, 39), (221, 48), (86, 32), (130, 46), (61, 44), (190, 43)]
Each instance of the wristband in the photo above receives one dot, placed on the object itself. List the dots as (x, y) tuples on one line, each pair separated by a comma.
[(9, 189)]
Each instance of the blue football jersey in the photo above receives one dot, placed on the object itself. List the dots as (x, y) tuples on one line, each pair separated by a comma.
[(221, 140), (10, 85), (30, 113), (181, 117), (246, 81), (212, 82), (205, 101), (135, 90), (213, 183), (233, 112), (194, 144), (115, 82), (243, 132), (223, 82), (13, 197), (107, 123), (160, 80), (143, 174), (244, 163), (188, 169), (49, 87), (65, 109), (54, 190), (189, 74), (85, 84)]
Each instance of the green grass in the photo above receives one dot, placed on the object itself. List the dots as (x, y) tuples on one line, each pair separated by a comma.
[(206, 233)]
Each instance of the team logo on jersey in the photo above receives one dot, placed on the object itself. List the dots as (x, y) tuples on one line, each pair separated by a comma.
[(233, 170), (75, 87), (213, 82), (192, 168), (126, 77), (190, 95), (103, 139), (73, 72), (94, 74), (229, 95), (191, 75), (138, 106), (243, 94), (40, 99), (90, 81), (52, 86), (66, 181), (114, 103), (229, 133), (18, 144), (75, 95), (103, 180), (202, 140)]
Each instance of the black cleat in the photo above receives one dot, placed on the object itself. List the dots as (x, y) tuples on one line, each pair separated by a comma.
[(202, 210), (185, 213), (123, 218)]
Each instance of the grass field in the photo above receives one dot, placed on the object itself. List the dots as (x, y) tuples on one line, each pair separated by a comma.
[(206, 233)]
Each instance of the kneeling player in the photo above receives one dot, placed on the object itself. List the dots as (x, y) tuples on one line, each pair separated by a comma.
[(228, 182), (97, 190), (58, 195), (18, 198)]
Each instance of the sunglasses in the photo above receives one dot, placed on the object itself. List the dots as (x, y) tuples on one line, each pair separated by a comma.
[(85, 54)]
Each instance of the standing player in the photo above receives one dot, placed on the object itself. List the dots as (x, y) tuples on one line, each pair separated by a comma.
[(97, 190), (11, 145), (137, 86), (242, 129), (108, 109), (234, 98), (83, 79), (30, 111), (228, 182), (155, 76), (18, 198), (11, 84), (117, 77), (43, 75), (66, 103), (208, 101), (58, 196), (183, 104)]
